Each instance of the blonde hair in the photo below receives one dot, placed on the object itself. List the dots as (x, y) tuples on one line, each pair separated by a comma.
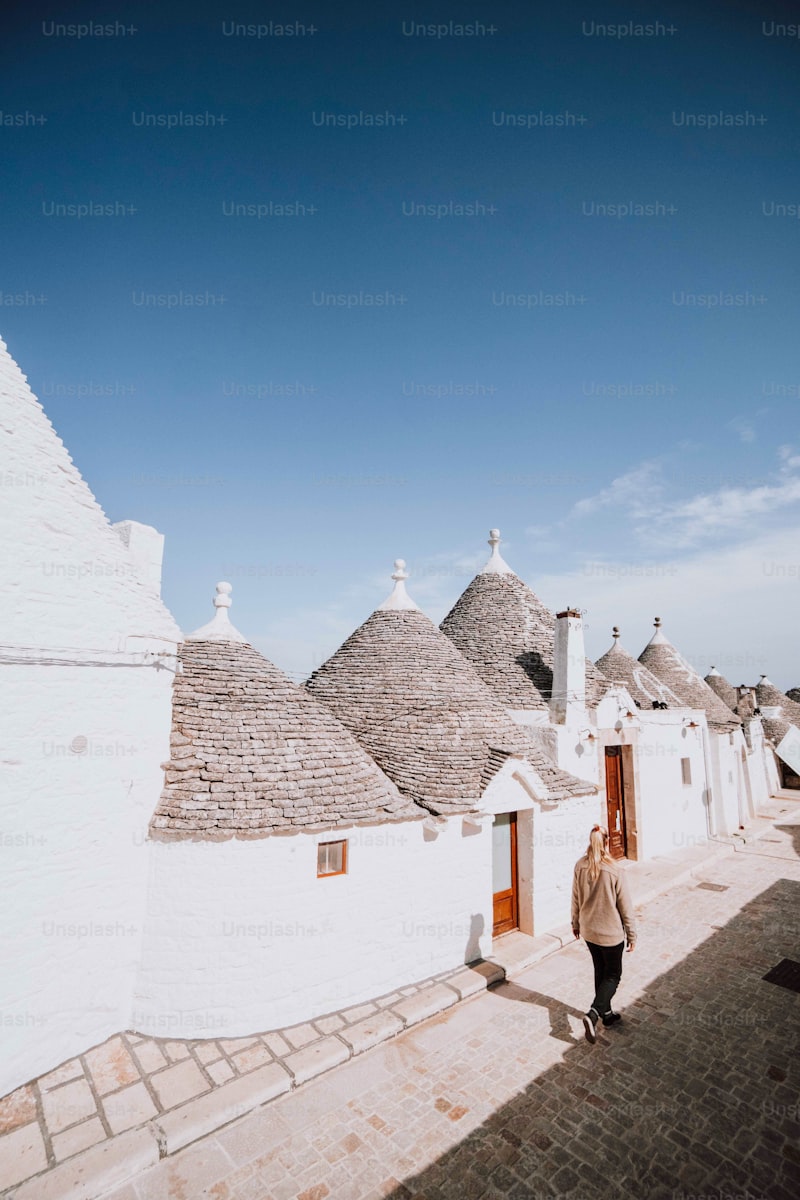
[(597, 851)]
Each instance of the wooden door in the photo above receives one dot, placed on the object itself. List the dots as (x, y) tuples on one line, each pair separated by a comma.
[(504, 873), (614, 802)]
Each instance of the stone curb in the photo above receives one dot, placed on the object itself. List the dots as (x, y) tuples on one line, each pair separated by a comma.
[(90, 1174)]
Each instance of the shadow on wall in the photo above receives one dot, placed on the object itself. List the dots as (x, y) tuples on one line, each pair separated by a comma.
[(695, 1092), (472, 954)]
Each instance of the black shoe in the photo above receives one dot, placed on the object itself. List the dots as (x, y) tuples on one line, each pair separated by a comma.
[(590, 1025), (611, 1018)]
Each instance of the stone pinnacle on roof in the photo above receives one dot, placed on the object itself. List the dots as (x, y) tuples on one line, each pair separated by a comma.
[(658, 638), (399, 600), (669, 665), (645, 687), (496, 564), (219, 628)]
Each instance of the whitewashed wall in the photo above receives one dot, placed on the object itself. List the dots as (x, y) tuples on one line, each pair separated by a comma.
[(562, 743), (85, 717), (672, 814), (241, 936), (73, 855), (761, 765), (727, 788)]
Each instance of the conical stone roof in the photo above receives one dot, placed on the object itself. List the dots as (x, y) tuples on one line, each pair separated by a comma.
[(769, 696), (794, 694), (661, 657), (420, 710), (726, 691), (645, 688), (254, 754), (507, 634)]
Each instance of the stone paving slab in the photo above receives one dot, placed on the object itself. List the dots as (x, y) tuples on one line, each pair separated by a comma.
[(172, 1092)]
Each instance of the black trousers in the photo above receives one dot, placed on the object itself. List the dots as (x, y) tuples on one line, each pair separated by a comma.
[(607, 974)]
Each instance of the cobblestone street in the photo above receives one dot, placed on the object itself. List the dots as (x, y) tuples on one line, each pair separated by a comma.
[(694, 1094)]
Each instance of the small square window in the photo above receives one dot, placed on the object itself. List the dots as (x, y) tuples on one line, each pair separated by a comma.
[(686, 770), (331, 858)]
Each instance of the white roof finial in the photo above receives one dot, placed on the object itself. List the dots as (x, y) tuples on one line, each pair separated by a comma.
[(658, 638), (399, 599), (219, 629), (496, 565)]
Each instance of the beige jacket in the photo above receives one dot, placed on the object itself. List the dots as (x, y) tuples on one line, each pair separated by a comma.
[(602, 911)]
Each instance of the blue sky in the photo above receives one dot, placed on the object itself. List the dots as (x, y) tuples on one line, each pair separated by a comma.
[(599, 357)]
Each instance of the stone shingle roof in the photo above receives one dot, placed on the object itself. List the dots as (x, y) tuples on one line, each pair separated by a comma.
[(768, 696), (726, 691), (621, 667), (254, 754), (422, 713), (507, 633), (794, 694), (661, 657)]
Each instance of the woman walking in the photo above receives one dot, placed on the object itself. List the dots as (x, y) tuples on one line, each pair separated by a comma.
[(602, 913)]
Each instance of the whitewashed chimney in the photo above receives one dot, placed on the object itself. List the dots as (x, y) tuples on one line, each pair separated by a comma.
[(146, 548), (568, 699)]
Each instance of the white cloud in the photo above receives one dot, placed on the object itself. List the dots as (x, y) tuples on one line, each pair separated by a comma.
[(745, 426), (636, 490), (660, 523), (734, 607)]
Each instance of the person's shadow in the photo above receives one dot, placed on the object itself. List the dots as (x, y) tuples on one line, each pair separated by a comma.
[(559, 1013)]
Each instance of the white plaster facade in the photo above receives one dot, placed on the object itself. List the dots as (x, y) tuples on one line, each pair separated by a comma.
[(87, 648), (270, 944)]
